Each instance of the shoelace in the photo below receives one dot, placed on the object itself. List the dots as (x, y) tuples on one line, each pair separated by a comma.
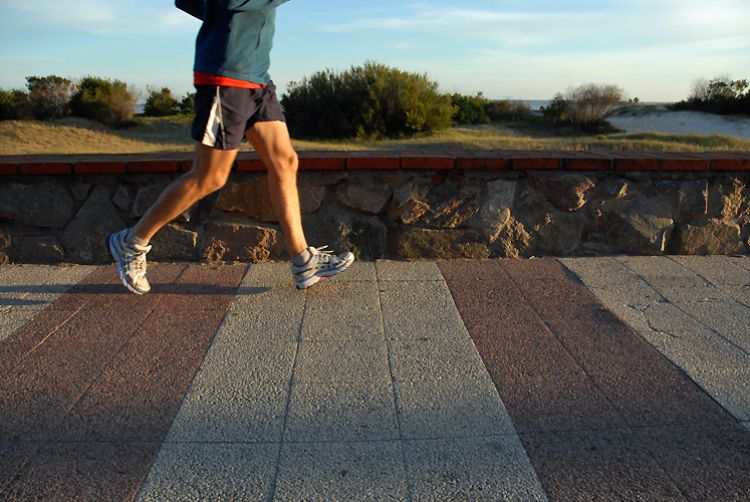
[(138, 259), (325, 255)]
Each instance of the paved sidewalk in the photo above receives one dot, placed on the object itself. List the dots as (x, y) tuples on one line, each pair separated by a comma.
[(614, 378)]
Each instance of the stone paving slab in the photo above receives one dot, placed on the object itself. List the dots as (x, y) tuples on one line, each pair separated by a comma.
[(625, 378), (342, 471), (211, 471)]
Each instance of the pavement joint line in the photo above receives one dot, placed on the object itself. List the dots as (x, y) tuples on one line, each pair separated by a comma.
[(287, 405), (394, 389), (693, 271), (681, 309)]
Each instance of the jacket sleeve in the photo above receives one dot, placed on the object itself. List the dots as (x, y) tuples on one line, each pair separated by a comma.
[(245, 5), (195, 8)]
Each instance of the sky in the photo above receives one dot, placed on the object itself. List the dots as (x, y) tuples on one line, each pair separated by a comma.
[(654, 50)]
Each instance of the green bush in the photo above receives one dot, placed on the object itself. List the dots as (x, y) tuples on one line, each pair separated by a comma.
[(108, 101), (470, 109), (558, 110), (506, 109), (12, 104), (370, 101), (187, 104), (720, 95), (161, 103), (49, 97)]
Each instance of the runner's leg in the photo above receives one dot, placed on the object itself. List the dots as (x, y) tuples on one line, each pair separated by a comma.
[(210, 171), (274, 147)]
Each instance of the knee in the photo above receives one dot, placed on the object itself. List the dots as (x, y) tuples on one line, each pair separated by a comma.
[(285, 166), (208, 184)]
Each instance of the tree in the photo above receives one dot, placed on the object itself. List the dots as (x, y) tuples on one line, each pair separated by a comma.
[(49, 97), (160, 103)]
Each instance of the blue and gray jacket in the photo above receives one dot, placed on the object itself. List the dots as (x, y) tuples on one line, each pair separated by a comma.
[(236, 37)]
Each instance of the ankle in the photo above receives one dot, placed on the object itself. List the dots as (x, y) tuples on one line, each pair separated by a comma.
[(132, 239)]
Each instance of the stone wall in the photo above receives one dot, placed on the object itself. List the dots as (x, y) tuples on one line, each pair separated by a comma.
[(474, 209)]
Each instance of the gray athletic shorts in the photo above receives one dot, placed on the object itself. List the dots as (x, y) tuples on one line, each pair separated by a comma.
[(224, 114)]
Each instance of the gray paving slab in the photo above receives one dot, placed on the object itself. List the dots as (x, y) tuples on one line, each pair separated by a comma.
[(444, 390), (493, 468), (389, 270), (598, 272), (342, 472), (662, 271), (342, 359), (418, 310), (240, 391), (343, 310), (730, 319), (729, 386), (719, 270), (341, 410), (199, 471)]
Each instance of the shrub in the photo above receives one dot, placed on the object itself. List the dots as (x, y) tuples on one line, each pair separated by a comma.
[(12, 104), (107, 101), (589, 104), (369, 101), (720, 95), (506, 109), (470, 109), (160, 103), (49, 97), (558, 110), (187, 104)]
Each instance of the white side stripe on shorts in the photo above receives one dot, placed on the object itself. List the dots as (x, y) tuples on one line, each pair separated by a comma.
[(214, 125)]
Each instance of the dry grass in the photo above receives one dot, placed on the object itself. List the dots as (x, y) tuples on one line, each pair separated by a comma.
[(73, 135)]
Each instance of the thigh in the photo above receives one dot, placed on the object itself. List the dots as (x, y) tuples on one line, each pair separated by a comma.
[(271, 142)]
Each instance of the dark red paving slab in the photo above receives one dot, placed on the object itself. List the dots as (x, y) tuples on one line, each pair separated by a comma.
[(14, 348), (137, 397), (597, 465), (41, 388), (644, 386), (536, 377), (507, 305), (81, 471), (118, 370)]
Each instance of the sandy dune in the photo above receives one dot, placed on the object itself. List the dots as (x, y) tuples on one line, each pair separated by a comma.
[(684, 122)]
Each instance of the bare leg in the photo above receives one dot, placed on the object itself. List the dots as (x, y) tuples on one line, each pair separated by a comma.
[(274, 147), (210, 171)]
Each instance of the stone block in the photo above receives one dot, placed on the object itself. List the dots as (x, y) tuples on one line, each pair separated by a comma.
[(557, 234), (147, 196), (345, 230), (47, 205), (415, 243), (712, 236), (366, 197), (251, 198), (85, 238), (638, 226), (36, 249), (173, 242), (230, 241), (568, 192), (494, 212)]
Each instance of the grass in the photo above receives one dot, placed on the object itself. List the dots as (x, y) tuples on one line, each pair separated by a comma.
[(172, 134)]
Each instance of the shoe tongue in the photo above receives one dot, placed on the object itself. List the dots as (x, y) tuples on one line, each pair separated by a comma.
[(141, 249)]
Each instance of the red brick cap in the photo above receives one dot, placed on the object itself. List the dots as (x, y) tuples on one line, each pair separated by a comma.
[(36, 165)]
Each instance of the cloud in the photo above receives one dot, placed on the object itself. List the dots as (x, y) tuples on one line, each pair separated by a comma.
[(100, 17)]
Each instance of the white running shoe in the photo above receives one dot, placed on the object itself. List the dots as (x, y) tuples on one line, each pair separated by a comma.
[(321, 264), (130, 261)]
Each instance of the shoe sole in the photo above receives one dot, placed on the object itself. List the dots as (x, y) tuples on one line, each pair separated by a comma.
[(113, 252), (322, 275)]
